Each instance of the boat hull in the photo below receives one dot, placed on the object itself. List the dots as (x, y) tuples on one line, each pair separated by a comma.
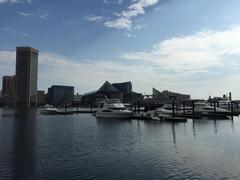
[(114, 115), (49, 111)]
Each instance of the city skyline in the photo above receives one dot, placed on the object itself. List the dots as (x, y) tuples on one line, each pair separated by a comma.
[(141, 41)]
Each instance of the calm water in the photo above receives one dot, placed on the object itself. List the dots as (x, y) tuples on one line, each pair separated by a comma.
[(36, 146)]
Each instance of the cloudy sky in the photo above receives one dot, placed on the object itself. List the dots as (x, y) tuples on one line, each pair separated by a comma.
[(188, 46)]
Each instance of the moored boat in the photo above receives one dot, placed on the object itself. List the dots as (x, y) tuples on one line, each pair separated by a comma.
[(114, 109), (49, 109), (205, 109)]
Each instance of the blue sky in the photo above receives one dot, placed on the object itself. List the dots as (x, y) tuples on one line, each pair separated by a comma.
[(188, 46)]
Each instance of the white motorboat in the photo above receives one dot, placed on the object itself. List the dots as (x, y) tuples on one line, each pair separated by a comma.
[(114, 109), (203, 108), (162, 111), (167, 109), (225, 104), (49, 109)]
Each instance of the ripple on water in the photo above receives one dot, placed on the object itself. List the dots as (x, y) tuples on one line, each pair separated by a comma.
[(80, 147)]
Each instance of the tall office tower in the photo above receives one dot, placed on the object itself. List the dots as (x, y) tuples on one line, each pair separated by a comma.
[(26, 76)]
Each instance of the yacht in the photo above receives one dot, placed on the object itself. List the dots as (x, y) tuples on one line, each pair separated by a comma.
[(225, 104), (167, 109), (203, 108), (49, 109), (113, 108), (162, 111)]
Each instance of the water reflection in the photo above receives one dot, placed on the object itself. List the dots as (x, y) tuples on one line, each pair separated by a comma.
[(194, 128), (116, 135), (24, 143), (174, 135), (232, 125), (78, 147), (112, 128), (215, 126)]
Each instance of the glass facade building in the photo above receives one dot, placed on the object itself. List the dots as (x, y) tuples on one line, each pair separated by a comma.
[(59, 95), (124, 87), (26, 76)]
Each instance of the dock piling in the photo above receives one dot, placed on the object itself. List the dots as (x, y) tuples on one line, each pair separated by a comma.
[(214, 104), (231, 107), (138, 104), (65, 107), (91, 106), (193, 106), (173, 108)]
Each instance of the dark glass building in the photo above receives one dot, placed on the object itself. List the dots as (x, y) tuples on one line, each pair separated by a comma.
[(9, 90), (6, 85), (59, 95), (26, 76), (106, 90), (124, 87)]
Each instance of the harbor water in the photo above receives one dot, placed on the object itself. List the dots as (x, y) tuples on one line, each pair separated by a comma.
[(78, 146)]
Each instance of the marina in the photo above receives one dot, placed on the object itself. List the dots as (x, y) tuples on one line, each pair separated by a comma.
[(114, 109)]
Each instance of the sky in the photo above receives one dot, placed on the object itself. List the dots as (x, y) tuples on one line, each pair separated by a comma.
[(186, 46)]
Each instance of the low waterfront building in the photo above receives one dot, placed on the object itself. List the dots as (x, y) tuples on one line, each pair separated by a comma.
[(128, 96), (122, 91), (106, 90), (9, 90), (160, 97), (59, 95), (176, 96), (6, 84), (131, 97), (41, 98), (124, 87), (166, 97), (77, 99)]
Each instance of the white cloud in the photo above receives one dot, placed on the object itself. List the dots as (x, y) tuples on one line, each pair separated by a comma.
[(14, 32), (130, 35), (124, 20), (113, 1), (41, 13), (85, 75), (9, 29), (89, 75), (195, 52), (120, 23), (93, 18), (193, 64), (7, 63), (25, 14), (15, 1)]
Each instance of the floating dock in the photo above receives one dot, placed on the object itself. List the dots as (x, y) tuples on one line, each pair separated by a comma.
[(161, 117), (76, 112)]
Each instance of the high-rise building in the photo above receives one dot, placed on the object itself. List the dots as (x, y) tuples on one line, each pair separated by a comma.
[(26, 76)]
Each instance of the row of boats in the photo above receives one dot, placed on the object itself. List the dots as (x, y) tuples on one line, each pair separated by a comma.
[(114, 109)]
